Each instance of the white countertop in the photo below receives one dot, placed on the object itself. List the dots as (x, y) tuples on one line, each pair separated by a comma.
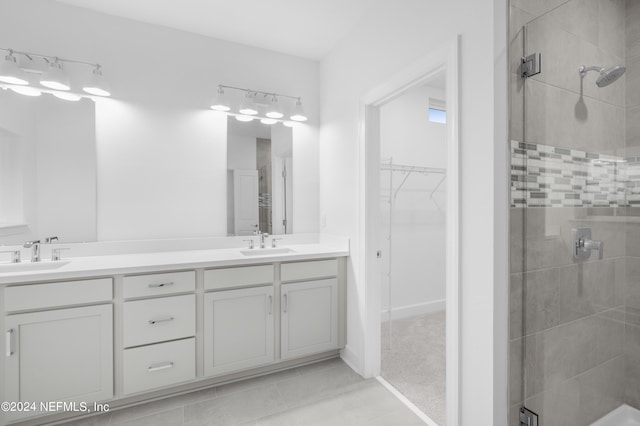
[(134, 263)]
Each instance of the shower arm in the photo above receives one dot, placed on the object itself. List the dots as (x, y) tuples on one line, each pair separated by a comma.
[(584, 70)]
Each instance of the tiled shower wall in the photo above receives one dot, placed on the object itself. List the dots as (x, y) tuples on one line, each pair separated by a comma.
[(575, 353), (632, 137)]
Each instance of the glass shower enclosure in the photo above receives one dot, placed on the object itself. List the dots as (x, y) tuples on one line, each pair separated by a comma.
[(575, 212)]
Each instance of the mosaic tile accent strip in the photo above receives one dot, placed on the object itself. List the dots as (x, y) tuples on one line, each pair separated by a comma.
[(547, 176)]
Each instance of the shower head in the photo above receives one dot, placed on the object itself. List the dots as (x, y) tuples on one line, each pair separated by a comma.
[(610, 75), (607, 75)]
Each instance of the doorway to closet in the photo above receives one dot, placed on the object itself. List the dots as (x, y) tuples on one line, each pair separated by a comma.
[(413, 184)]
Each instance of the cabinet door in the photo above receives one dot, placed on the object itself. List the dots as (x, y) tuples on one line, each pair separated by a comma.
[(309, 317), (61, 355), (238, 329)]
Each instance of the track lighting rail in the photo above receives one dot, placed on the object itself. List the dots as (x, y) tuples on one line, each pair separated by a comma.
[(47, 58), (259, 92), (250, 107), (33, 81)]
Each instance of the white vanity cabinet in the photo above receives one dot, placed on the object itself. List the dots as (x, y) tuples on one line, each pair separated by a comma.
[(119, 338), (63, 355), (238, 323), (309, 308)]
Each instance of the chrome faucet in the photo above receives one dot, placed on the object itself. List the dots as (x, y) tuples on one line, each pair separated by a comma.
[(262, 235), (35, 249)]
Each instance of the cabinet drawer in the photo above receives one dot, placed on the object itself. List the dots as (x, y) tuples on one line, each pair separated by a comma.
[(159, 365), (37, 296), (157, 320), (237, 277), (308, 270), (159, 284)]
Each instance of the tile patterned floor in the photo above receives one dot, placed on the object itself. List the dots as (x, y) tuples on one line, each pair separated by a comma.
[(326, 393), (415, 365)]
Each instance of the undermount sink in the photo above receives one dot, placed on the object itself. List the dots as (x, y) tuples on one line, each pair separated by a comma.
[(27, 266), (266, 251)]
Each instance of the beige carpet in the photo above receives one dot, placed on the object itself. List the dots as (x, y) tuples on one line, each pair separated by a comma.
[(415, 365)]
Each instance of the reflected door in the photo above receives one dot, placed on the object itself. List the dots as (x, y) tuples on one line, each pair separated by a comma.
[(245, 191)]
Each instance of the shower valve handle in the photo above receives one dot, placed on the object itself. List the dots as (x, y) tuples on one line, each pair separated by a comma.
[(583, 244), (595, 245)]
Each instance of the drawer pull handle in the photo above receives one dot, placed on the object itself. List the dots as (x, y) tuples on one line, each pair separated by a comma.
[(160, 285), (162, 366), (9, 342), (270, 305), (156, 321), (285, 302)]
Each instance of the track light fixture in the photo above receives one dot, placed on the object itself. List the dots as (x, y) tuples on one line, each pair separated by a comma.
[(10, 72), (220, 102), (96, 84), (55, 78), (298, 112), (50, 74), (265, 105), (248, 106), (273, 111)]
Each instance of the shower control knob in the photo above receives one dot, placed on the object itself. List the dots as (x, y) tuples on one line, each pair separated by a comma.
[(583, 244)]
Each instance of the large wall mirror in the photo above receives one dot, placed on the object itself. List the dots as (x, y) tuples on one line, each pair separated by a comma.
[(47, 169), (260, 178)]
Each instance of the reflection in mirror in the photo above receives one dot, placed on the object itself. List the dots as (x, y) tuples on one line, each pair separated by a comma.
[(259, 179), (47, 169)]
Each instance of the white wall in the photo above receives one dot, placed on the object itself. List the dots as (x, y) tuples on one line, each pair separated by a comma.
[(161, 152), (393, 36), (418, 244)]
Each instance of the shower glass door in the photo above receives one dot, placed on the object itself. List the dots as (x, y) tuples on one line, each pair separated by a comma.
[(575, 221)]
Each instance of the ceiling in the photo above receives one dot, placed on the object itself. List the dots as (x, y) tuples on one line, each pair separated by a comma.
[(304, 28)]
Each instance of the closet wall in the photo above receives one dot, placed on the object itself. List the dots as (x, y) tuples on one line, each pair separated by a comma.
[(418, 229)]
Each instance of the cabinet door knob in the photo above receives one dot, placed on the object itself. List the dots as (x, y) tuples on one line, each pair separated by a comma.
[(270, 304), (161, 366), (284, 305), (156, 321)]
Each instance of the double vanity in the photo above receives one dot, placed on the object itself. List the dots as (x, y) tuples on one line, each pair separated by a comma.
[(121, 329)]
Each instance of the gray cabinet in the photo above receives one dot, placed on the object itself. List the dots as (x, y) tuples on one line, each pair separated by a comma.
[(59, 355), (309, 317), (238, 329)]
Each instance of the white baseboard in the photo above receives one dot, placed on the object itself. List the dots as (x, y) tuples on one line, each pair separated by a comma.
[(413, 310), (351, 359)]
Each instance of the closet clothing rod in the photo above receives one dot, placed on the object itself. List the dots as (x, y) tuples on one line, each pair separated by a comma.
[(412, 169)]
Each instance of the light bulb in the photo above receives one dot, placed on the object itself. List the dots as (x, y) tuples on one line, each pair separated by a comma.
[(244, 118), (289, 123), (268, 121)]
